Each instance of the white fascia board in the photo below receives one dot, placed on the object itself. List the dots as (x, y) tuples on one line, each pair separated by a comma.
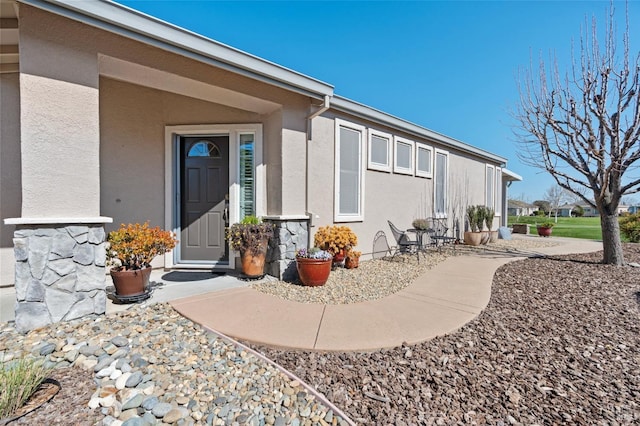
[(360, 110), (130, 23), (509, 175)]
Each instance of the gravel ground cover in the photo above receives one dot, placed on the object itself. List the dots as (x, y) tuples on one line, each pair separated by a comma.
[(375, 279), (149, 365), (557, 344)]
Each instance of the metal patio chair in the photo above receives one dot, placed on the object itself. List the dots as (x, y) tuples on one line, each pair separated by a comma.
[(404, 244), (440, 231)]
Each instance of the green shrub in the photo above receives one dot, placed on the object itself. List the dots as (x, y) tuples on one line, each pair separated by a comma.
[(19, 379), (630, 227), (539, 213)]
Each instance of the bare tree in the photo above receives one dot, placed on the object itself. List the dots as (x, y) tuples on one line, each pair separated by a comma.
[(556, 196), (584, 127)]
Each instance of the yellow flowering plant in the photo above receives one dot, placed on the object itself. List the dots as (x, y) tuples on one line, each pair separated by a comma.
[(134, 246), (335, 239)]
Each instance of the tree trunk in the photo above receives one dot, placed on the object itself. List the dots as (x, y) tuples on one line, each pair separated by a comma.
[(613, 254)]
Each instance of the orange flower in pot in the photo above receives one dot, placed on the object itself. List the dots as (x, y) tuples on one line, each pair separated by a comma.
[(337, 240), (131, 249)]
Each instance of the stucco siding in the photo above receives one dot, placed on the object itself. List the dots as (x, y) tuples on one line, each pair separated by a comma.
[(59, 122), (10, 177), (390, 196), (133, 120)]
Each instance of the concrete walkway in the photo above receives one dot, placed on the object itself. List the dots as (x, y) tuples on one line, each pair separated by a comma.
[(438, 302)]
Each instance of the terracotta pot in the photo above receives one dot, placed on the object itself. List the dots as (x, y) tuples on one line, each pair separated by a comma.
[(352, 262), (544, 232), (253, 263), (473, 238), (313, 272), (131, 283), (494, 236), (338, 257)]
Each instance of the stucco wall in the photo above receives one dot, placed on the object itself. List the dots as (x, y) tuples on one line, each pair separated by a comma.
[(389, 196), (132, 167), (10, 179), (59, 123)]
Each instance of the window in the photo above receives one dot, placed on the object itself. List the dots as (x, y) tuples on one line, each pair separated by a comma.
[(424, 159), (441, 183), (498, 207), (247, 175), (403, 156), (204, 149), (379, 151), (349, 172), (490, 185)]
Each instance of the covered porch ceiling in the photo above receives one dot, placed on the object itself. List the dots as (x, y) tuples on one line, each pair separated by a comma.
[(141, 75)]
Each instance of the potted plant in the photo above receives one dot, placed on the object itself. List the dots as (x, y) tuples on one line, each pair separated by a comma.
[(352, 259), (250, 238), (475, 218), (336, 240), (488, 220), (545, 228), (313, 266), (421, 224), (130, 251)]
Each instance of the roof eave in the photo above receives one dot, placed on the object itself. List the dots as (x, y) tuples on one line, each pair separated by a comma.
[(122, 20)]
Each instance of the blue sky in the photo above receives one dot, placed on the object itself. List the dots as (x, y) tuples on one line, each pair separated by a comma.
[(449, 66)]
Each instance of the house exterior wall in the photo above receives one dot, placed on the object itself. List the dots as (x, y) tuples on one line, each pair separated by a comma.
[(10, 173), (133, 120), (388, 196), (59, 122)]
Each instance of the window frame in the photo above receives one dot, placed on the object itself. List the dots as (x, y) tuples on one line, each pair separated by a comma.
[(498, 192), (397, 140), (421, 173), (440, 215), (490, 185), (337, 215), (371, 165)]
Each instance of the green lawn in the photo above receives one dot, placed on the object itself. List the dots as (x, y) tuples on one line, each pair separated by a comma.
[(575, 227)]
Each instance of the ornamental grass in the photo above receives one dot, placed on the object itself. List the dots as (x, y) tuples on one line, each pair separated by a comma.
[(19, 379)]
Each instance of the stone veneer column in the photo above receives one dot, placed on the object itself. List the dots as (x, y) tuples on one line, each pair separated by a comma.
[(290, 235), (60, 273)]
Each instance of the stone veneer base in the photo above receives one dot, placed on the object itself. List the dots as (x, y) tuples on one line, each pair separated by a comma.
[(60, 273), (290, 236)]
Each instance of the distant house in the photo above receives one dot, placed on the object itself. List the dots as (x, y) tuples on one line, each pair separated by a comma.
[(564, 211), (634, 209), (589, 211), (520, 208)]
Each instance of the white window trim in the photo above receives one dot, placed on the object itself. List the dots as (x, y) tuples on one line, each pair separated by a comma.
[(337, 216), (422, 173), (498, 191), (397, 140), (442, 215), (493, 187), (378, 166)]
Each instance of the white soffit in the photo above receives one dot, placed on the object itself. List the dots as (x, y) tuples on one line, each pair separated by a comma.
[(511, 175), (119, 69)]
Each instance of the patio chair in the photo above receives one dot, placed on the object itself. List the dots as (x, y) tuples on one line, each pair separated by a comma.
[(440, 230), (381, 247), (404, 244)]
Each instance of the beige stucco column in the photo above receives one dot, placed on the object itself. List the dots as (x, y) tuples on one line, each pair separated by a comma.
[(59, 238)]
